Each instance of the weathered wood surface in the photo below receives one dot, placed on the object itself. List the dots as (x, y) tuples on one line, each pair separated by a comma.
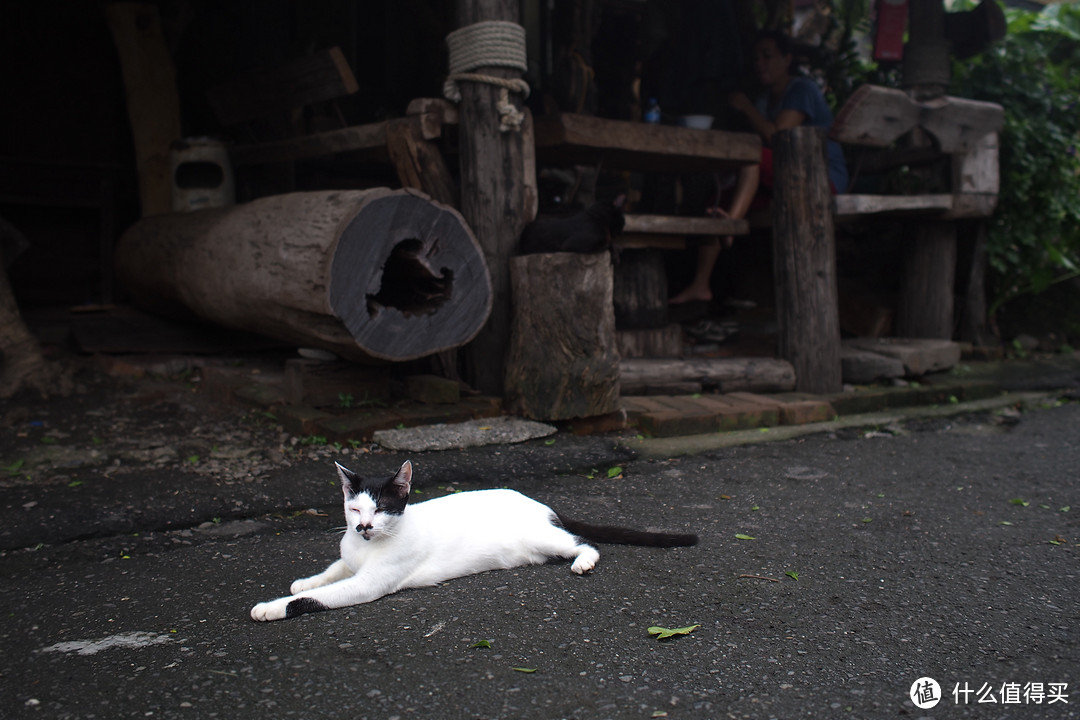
[(385, 274), (323, 75), (804, 260), (562, 362), (665, 342), (499, 171), (679, 225), (153, 104), (418, 161), (570, 139), (926, 303), (641, 290), (726, 374), (878, 116), (850, 207), (351, 139)]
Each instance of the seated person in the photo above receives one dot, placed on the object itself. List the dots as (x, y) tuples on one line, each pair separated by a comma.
[(786, 101)]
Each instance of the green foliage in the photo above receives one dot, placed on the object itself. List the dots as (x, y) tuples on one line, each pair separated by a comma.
[(1034, 237)]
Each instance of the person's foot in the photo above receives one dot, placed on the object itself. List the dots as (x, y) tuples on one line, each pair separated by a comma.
[(691, 294)]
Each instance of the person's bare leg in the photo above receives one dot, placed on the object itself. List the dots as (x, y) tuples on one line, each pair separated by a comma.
[(699, 289)]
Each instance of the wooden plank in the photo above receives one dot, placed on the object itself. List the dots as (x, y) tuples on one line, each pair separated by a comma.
[(350, 139), (152, 101), (626, 241), (677, 225), (570, 139), (729, 374), (971, 205), (324, 75), (958, 123), (875, 116), (853, 207)]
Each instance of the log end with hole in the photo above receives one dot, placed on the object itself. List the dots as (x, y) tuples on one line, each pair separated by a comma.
[(368, 274)]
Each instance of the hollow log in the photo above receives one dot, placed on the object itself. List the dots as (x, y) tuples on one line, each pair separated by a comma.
[(368, 274), (562, 362)]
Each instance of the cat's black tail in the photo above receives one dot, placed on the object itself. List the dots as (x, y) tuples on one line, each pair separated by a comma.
[(625, 536)]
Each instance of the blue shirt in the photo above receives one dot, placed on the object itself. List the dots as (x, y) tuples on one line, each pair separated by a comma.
[(802, 94)]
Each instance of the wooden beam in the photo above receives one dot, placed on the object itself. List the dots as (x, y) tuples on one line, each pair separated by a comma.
[(323, 75), (958, 123), (677, 225), (152, 102), (350, 139), (854, 207), (418, 162), (571, 139)]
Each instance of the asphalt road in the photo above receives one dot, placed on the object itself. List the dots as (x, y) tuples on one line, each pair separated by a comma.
[(944, 549)]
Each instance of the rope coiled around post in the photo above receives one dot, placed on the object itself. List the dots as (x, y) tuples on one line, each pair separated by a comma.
[(492, 43)]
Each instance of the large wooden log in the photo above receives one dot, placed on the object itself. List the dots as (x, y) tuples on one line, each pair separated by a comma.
[(386, 274), (804, 261), (562, 362), (725, 374)]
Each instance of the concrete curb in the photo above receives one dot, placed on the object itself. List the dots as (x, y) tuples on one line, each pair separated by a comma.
[(653, 448)]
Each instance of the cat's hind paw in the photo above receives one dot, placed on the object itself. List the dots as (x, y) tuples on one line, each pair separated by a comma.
[(586, 560)]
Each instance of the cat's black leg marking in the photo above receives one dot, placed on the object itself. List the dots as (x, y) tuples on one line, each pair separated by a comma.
[(302, 606)]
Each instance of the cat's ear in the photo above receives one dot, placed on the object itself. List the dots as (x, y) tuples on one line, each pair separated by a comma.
[(348, 480), (402, 482)]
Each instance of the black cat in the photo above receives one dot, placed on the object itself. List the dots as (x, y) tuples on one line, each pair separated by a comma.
[(588, 231)]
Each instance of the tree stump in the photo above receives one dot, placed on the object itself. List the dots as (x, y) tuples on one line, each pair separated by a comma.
[(804, 260), (641, 289), (368, 274), (562, 362)]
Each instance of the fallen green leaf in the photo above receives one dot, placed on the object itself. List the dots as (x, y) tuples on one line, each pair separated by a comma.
[(867, 520), (549, 442), (14, 467), (48, 440), (740, 536), (755, 507), (75, 483), (193, 459), (480, 644), (1004, 522), (661, 632), (1019, 501), (792, 574), (614, 472), (524, 670), (1064, 508)]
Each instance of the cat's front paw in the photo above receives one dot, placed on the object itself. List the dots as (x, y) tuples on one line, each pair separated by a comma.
[(273, 610), (303, 584)]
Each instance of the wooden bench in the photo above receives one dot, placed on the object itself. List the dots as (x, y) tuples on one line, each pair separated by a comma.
[(641, 309), (898, 130)]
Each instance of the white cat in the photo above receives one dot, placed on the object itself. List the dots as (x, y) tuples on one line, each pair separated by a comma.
[(390, 545)]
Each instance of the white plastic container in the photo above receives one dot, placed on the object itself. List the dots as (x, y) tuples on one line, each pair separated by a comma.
[(202, 176)]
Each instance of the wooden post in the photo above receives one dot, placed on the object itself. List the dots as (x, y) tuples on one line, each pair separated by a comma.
[(804, 260), (926, 305), (562, 362), (498, 192), (152, 102)]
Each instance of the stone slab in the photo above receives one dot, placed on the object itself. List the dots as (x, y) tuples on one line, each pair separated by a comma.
[(919, 356), (457, 436), (859, 367)]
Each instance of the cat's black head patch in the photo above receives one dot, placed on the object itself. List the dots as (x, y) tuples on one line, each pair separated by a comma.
[(391, 494)]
